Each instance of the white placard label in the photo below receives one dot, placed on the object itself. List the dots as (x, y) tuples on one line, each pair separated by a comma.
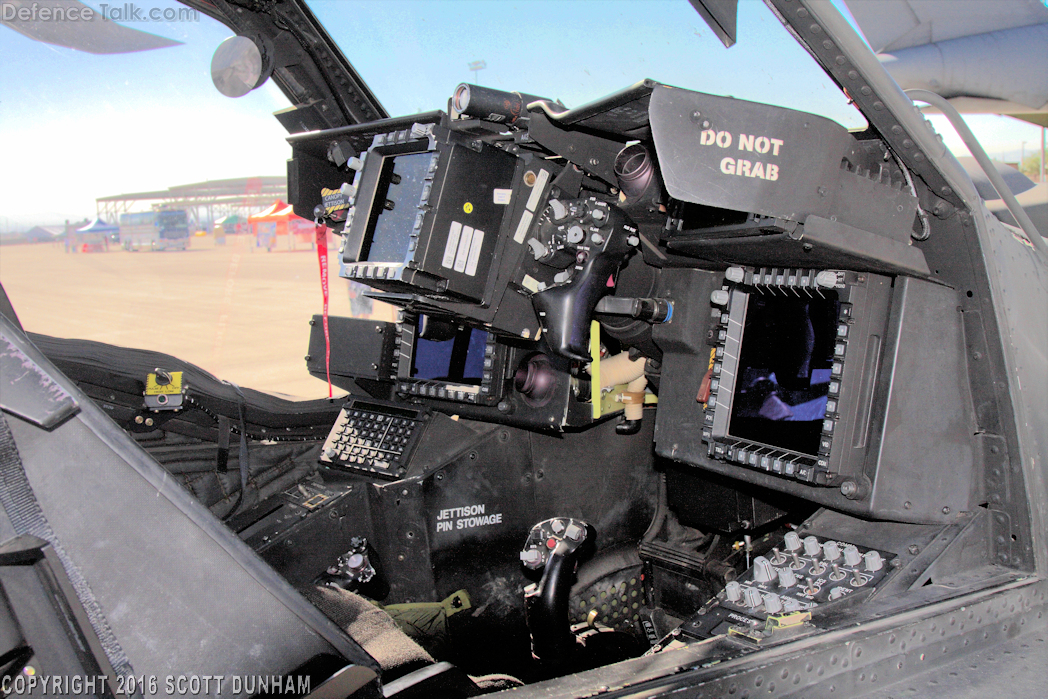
[(536, 190), (502, 196), (474, 253), (523, 226), (452, 245), (463, 249)]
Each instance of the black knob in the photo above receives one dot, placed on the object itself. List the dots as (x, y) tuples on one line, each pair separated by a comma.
[(535, 379)]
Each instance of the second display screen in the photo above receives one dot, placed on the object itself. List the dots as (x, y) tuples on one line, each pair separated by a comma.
[(455, 355)]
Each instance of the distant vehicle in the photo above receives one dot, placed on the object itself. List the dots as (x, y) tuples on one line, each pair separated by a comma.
[(155, 230), (138, 230)]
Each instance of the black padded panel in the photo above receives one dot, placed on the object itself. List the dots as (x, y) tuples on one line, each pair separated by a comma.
[(182, 593)]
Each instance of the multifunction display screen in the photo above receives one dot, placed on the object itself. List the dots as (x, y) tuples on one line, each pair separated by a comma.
[(396, 205), (455, 359), (783, 379)]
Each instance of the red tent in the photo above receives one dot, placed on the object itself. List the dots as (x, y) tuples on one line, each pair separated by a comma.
[(280, 219)]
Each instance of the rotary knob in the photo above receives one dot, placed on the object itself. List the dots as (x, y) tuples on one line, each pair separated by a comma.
[(558, 210), (762, 570), (811, 546), (733, 591), (792, 541), (831, 551), (786, 578), (826, 278), (872, 561), (772, 603), (852, 557), (751, 597)]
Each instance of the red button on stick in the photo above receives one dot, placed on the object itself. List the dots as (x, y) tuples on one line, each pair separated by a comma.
[(551, 543)]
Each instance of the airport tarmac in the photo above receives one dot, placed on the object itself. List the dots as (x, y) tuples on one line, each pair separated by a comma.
[(237, 311)]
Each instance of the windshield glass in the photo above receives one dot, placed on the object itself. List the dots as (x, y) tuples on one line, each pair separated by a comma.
[(174, 170), (191, 254), (574, 52)]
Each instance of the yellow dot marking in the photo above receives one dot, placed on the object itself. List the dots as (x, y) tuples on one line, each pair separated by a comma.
[(467, 207)]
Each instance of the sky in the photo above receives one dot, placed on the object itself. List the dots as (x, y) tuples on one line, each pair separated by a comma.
[(76, 126)]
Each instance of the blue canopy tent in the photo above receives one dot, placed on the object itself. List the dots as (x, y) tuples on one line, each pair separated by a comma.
[(94, 237)]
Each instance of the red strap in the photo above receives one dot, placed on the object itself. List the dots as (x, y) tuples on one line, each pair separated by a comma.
[(322, 256)]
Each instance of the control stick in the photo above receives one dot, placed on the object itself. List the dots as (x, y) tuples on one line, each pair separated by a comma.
[(596, 238), (554, 547)]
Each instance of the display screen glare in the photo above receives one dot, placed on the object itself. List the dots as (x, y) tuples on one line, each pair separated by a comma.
[(783, 377), (459, 359), (392, 233)]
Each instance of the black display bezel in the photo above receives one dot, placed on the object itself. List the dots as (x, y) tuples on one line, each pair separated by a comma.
[(461, 208), (842, 440), (487, 392), (370, 198)]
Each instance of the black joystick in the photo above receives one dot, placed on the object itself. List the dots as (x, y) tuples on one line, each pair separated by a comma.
[(553, 547), (600, 237)]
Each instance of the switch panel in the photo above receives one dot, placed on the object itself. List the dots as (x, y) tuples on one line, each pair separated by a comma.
[(797, 576)]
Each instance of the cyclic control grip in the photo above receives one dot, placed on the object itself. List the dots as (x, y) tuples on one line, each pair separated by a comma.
[(588, 240), (554, 546)]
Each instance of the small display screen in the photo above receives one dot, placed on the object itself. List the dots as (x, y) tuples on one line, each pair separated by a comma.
[(783, 376), (456, 359), (402, 181)]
